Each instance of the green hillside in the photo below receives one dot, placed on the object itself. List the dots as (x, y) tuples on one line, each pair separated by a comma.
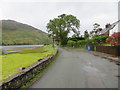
[(15, 33)]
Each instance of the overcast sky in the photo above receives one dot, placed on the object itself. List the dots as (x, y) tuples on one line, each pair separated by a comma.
[(38, 14)]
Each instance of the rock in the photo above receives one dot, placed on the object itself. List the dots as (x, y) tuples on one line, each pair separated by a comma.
[(39, 60), (4, 56), (21, 68)]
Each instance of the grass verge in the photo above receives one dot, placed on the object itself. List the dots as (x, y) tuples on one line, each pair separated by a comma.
[(12, 62), (35, 78)]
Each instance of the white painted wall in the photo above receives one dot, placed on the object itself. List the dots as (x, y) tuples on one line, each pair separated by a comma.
[(115, 29)]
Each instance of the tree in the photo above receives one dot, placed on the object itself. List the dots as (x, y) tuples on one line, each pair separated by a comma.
[(96, 26), (91, 33), (96, 29), (60, 27), (86, 34)]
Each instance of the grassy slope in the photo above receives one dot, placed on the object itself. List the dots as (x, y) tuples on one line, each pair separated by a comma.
[(13, 62), (17, 33)]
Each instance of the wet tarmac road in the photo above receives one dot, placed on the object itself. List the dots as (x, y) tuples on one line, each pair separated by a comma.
[(79, 69)]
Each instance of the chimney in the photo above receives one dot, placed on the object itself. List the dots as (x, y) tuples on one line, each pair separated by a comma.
[(107, 25)]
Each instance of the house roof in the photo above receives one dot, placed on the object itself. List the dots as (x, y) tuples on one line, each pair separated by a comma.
[(109, 28)]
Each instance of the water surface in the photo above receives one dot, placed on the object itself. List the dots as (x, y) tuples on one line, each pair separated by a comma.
[(13, 48)]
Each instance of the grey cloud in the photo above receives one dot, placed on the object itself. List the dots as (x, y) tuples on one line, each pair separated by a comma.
[(38, 14)]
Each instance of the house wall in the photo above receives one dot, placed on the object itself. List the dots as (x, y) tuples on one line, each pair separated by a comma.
[(114, 30)]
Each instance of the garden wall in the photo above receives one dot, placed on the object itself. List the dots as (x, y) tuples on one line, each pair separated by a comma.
[(113, 50), (17, 80)]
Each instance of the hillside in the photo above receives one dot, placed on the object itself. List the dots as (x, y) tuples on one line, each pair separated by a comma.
[(15, 33)]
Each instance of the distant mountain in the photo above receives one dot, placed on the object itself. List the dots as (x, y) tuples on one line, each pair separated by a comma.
[(15, 33)]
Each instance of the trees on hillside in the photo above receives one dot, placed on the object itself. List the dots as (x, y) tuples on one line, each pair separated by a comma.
[(60, 27)]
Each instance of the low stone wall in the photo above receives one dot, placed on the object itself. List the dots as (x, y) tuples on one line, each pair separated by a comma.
[(17, 80)]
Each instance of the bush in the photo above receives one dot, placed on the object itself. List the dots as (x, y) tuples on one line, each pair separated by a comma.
[(76, 38), (114, 39), (83, 43), (71, 43)]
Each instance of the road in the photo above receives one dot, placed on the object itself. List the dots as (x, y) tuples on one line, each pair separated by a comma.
[(79, 69)]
